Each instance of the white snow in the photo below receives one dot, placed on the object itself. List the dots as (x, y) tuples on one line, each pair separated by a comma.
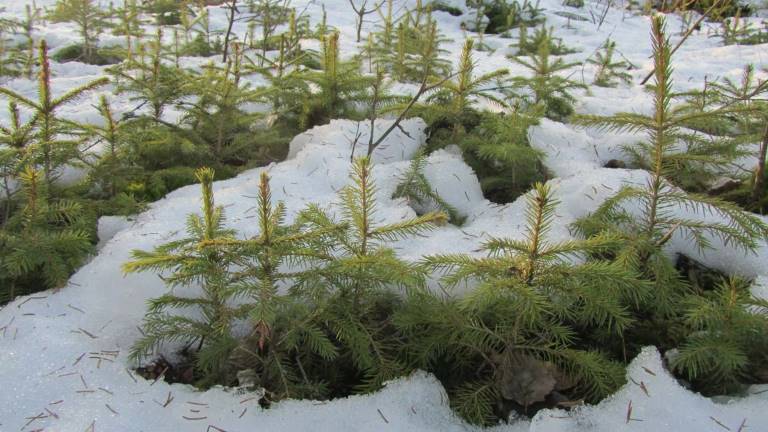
[(63, 353)]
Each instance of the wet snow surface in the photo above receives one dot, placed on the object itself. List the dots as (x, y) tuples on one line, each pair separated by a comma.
[(63, 363)]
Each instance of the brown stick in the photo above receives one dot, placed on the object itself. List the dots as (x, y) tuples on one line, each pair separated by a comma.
[(422, 89)]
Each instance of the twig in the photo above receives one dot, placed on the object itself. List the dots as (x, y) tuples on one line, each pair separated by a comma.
[(382, 416), (720, 424)]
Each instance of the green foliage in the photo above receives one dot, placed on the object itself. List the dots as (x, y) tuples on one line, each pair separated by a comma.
[(728, 338), (129, 25), (498, 150), (216, 121), (352, 290), (90, 21), (749, 120), (334, 321), (199, 46), (546, 85), (44, 242), (287, 88), (691, 159), (414, 186), (504, 15), (286, 339), (198, 38), (541, 36), (608, 71), (150, 81), (12, 58), (201, 259), (454, 99), (444, 7), (167, 12), (338, 84), (724, 8), (99, 56), (657, 218), (410, 47), (49, 149), (268, 15), (525, 314), (15, 140), (113, 169)]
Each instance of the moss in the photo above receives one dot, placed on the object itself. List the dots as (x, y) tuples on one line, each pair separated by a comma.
[(104, 56), (440, 6)]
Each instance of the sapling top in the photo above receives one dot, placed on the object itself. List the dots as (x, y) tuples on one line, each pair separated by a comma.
[(49, 149), (525, 314)]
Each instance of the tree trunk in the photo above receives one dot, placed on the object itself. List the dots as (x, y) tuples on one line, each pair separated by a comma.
[(232, 11), (757, 188)]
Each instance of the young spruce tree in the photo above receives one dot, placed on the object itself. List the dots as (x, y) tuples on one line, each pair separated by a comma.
[(515, 338), (547, 86), (201, 259), (353, 291), (286, 339), (660, 203), (49, 149), (90, 21), (43, 242), (455, 97), (727, 344)]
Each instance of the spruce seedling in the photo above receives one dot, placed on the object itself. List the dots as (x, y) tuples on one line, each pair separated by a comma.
[(648, 231), (752, 118), (523, 317), (353, 287), (608, 70), (456, 96), (151, 82), (414, 186), (546, 85), (129, 25), (285, 340), (44, 242), (49, 149), (339, 83), (201, 259), (88, 17), (728, 337), (113, 164), (15, 140)]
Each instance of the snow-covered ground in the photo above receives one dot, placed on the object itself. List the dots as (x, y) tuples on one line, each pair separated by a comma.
[(63, 363)]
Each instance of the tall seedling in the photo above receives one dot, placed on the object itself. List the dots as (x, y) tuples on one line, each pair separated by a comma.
[(15, 138), (201, 259), (547, 86), (50, 150), (129, 25), (43, 243), (150, 81), (88, 17), (352, 289), (751, 118), (660, 203), (285, 339), (455, 97), (515, 337)]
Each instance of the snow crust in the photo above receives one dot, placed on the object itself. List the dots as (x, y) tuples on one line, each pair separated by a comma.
[(63, 354)]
